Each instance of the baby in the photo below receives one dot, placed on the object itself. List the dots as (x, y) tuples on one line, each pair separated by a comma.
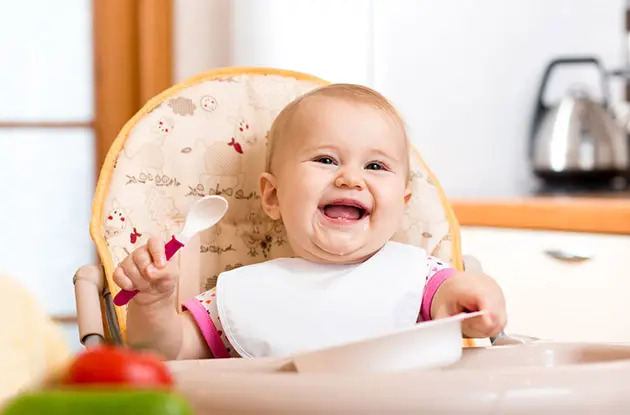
[(337, 176)]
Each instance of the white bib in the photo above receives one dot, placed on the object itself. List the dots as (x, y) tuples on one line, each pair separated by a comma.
[(290, 305)]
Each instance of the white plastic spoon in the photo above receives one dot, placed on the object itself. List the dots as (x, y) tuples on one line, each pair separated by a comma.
[(203, 214)]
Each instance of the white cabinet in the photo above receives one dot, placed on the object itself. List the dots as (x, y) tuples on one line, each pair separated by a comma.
[(551, 296)]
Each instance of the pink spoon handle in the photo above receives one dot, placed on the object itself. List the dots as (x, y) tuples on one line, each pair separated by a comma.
[(172, 247), (124, 296)]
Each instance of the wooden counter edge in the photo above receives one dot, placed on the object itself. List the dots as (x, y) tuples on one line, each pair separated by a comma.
[(594, 215)]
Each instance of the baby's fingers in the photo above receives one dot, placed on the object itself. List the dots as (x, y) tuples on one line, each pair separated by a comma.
[(161, 280), (156, 249), (122, 280), (130, 270), (488, 320), (141, 259), (157, 274), (496, 315), (480, 326)]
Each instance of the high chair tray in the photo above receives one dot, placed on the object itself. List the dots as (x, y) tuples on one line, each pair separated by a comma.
[(560, 377)]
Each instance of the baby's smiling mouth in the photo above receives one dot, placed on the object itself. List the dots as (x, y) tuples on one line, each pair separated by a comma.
[(344, 210)]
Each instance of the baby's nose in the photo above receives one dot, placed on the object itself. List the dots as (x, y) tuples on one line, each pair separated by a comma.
[(350, 178)]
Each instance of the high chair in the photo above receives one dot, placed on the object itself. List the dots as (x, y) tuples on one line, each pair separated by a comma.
[(207, 135)]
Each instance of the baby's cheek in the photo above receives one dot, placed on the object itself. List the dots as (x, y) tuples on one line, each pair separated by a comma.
[(390, 216), (290, 217)]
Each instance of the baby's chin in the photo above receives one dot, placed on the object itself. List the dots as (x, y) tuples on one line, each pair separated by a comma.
[(324, 257), (343, 245), (336, 253)]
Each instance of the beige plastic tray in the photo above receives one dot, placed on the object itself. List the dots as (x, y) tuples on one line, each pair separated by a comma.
[(534, 378)]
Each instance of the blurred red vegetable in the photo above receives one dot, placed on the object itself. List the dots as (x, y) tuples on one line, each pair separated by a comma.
[(115, 365)]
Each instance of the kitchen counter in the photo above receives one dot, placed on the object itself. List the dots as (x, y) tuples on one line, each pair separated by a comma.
[(595, 213)]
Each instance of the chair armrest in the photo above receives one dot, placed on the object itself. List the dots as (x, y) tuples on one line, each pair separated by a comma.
[(471, 263), (89, 281)]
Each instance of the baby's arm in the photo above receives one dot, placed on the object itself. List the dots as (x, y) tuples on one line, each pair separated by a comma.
[(160, 327), (466, 291), (437, 272), (205, 313), (152, 318)]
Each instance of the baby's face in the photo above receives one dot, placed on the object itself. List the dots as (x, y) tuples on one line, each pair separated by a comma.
[(341, 180)]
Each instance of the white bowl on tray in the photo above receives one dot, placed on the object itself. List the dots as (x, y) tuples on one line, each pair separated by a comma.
[(426, 345)]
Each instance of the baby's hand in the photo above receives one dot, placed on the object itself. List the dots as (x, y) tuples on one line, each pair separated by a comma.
[(469, 291), (145, 270)]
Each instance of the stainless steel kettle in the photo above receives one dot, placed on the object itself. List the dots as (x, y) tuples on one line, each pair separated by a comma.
[(577, 141)]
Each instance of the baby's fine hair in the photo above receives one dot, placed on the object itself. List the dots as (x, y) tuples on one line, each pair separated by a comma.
[(353, 92)]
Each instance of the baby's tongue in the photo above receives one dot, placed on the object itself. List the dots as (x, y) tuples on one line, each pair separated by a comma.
[(342, 212)]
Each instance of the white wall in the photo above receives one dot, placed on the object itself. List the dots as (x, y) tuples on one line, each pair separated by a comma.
[(300, 35), (201, 36), (463, 72), (305, 35)]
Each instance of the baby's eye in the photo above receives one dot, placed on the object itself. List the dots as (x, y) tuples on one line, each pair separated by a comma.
[(325, 160), (375, 166)]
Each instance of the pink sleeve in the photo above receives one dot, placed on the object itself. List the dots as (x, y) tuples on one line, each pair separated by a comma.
[(207, 327), (438, 273)]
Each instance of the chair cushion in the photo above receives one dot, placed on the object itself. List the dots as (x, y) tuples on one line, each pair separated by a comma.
[(208, 136)]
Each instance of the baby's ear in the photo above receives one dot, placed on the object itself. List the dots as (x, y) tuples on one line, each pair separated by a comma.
[(408, 193), (269, 196)]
